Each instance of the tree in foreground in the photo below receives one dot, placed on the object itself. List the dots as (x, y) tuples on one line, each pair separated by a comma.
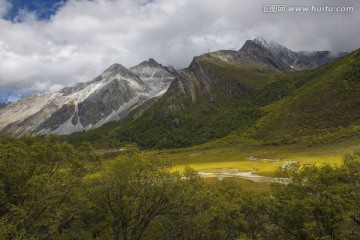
[(320, 202), (141, 189), (38, 179)]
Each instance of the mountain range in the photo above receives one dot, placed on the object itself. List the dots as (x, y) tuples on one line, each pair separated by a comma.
[(220, 94), (84, 106)]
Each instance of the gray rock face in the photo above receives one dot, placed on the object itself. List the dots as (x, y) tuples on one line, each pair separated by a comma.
[(113, 91), (59, 117), (105, 101), (73, 89), (255, 51)]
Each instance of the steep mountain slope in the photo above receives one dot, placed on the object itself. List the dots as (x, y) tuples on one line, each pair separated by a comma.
[(84, 106), (230, 73), (23, 118), (324, 109), (218, 93)]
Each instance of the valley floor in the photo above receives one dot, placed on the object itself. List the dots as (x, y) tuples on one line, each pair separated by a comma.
[(258, 164), (254, 167)]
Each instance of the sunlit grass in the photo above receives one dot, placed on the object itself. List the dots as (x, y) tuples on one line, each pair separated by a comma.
[(261, 160)]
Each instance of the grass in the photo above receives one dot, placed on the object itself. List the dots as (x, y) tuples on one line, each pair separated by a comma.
[(262, 160), (324, 109)]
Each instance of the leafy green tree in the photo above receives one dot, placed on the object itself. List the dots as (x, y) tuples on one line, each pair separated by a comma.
[(38, 176), (311, 206), (351, 169), (234, 213), (140, 188)]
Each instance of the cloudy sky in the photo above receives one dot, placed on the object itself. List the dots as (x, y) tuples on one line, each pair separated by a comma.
[(46, 45)]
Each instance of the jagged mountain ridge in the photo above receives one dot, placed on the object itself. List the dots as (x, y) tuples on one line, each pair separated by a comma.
[(218, 93), (209, 79), (298, 60), (84, 106), (199, 80)]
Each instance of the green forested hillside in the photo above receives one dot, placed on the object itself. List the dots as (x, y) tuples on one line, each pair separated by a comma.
[(325, 109)]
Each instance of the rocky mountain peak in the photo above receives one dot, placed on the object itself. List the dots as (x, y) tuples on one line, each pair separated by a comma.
[(274, 47), (150, 69), (254, 50), (152, 61), (249, 44), (116, 67)]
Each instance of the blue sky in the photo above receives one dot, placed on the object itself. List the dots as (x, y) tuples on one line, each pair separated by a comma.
[(46, 45), (12, 96), (43, 9)]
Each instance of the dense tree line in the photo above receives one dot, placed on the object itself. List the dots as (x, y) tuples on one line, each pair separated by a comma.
[(50, 190)]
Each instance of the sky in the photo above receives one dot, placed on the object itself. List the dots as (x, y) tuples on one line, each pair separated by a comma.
[(48, 44)]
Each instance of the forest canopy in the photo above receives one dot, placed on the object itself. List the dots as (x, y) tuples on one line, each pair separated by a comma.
[(52, 190)]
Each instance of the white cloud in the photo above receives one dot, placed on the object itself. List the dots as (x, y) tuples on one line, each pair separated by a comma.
[(4, 7), (85, 37)]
